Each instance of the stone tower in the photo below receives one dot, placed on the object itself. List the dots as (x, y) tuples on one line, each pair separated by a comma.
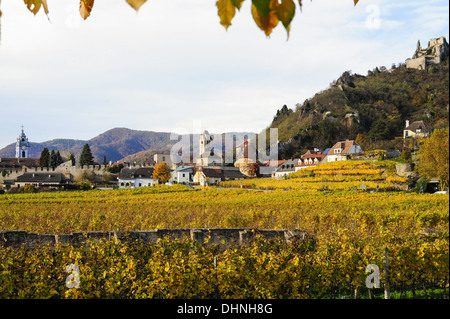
[(22, 146), (205, 139)]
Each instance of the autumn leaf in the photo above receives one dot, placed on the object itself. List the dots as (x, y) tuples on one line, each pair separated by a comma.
[(285, 13), (136, 4), (262, 6), (35, 5), (85, 8), (356, 1), (237, 3), (226, 11), (0, 21), (266, 24)]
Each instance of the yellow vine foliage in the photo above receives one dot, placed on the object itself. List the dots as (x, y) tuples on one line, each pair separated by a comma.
[(349, 230)]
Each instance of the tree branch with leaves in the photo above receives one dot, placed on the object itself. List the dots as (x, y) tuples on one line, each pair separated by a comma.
[(267, 14)]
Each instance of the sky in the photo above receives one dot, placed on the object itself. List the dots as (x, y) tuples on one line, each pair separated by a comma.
[(171, 67)]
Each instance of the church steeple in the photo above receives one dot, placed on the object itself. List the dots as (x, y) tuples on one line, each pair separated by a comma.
[(22, 146)]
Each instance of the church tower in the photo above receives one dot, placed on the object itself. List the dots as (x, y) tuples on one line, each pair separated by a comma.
[(22, 146)]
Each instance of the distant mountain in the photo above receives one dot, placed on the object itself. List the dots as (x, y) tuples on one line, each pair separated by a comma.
[(117, 144)]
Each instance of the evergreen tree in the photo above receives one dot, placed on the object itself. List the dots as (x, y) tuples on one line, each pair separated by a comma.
[(72, 158), (44, 159), (105, 162), (52, 159), (86, 157), (58, 159)]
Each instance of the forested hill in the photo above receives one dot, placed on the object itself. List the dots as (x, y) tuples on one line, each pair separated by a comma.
[(374, 106)]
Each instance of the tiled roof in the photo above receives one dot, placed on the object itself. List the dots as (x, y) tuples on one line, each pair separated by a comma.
[(418, 125), (289, 165), (345, 146), (212, 172), (41, 177), (132, 173), (12, 162), (222, 173)]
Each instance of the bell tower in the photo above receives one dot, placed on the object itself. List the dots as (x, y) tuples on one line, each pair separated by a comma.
[(22, 146)]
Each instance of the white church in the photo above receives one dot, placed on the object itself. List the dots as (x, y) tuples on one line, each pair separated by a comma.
[(22, 146)]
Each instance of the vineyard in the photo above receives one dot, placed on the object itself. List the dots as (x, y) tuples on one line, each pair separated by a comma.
[(342, 175), (348, 231)]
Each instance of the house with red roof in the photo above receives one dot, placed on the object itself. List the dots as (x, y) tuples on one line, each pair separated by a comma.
[(311, 158), (341, 151)]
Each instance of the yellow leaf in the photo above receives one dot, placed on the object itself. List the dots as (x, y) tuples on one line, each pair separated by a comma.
[(136, 4), (237, 3), (226, 12), (285, 13), (85, 8), (266, 24), (35, 5), (0, 22)]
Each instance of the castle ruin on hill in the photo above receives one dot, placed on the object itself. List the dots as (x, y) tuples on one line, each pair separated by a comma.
[(436, 52)]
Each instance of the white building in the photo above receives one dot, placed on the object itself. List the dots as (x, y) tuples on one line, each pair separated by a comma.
[(286, 168), (136, 177), (207, 156), (22, 146), (182, 175), (417, 129), (342, 150)]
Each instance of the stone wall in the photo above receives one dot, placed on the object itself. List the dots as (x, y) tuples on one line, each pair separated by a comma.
[(403, 169), (222, 237)]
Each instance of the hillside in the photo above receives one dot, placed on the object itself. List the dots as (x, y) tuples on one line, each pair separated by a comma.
[(375, 106)]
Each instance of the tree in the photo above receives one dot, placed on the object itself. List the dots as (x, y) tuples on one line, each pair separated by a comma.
[(86, 157), (52, 159), (105, 162), (44, 159), (58, 159), (267, 14), (361, 140), (434, 157), (380, 130), (114, 168), (161, 172), (72, 158)]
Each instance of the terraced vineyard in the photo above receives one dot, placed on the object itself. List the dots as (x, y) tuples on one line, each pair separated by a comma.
[(342, 175)]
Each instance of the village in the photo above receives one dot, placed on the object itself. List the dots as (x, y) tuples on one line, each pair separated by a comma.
[(205, 169)]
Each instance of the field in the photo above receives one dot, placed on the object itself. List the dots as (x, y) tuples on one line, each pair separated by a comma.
[(349, 229)]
